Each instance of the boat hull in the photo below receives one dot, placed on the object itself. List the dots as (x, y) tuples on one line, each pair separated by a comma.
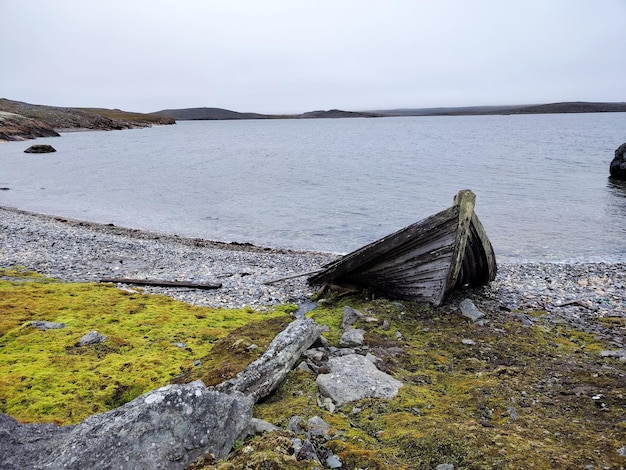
[(423, 261)]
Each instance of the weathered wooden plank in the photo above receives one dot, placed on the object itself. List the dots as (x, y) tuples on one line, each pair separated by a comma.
[(161, 283), (384, 245)]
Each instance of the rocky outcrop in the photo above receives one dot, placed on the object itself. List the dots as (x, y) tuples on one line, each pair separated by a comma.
[(14, 127), (167, 428), (22, 445), (40, 148), (34, 121), (617, 167)]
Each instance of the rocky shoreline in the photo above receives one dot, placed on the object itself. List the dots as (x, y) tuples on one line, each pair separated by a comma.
[(74, 251), (516, 324)]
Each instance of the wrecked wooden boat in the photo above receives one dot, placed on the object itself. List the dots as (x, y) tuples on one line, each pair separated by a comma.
[(423, 261)]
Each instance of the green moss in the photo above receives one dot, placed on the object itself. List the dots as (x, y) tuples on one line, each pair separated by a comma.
[(46, 376), (517, 398)]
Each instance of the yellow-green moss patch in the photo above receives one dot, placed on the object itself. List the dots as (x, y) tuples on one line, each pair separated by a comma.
[(45, 376)]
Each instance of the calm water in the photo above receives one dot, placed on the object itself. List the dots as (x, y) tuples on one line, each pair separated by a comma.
[(336, 184)]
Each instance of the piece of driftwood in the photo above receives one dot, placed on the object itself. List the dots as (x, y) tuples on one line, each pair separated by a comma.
[(580, 302), (261, 377), (423, 261), (293, 276), (161, 283)]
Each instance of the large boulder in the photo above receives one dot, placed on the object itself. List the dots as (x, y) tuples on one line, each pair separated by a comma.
[(618, 164), (167, 428), (40, 148), (353, 377), (22, 445)]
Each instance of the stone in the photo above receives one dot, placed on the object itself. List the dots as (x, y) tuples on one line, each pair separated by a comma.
[(316, 426), (332, 461), (22, 445), (445, 466), (617, 353), (91, 338), (352, 337), (40, 148), (307, 452), (258, 426), (46, 325), (353, 377), (617, 167), (296, 424), (167, 428), (350, 317), (469, 310), (468, 342)]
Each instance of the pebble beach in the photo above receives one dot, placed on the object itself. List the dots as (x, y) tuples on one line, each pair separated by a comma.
[(77, 251)]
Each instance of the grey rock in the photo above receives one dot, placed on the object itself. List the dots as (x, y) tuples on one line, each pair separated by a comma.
[(303, 366), (468, 342), (469, 310), (445, 466), (318, 427), (373, 359), (93, 337), (618, 353), (328, 404), (46, 325), (258, 426), (308, 452), (316, 355), (296, 424), (332, 461), (617, 167), (296, 443), (22, 445), (40, 148), (350, 317), (353, 377), (622, 451), (352, 337), (167, 428)]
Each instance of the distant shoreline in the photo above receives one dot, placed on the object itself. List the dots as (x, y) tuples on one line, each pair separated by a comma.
[(23, 121), (219, 114)]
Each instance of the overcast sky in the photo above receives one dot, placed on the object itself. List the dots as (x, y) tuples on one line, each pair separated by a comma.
[(290, 56)]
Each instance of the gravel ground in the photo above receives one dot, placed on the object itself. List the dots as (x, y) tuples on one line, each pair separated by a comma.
[(580, 294)]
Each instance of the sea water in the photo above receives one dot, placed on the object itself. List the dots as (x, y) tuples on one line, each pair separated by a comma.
[(541, 181)]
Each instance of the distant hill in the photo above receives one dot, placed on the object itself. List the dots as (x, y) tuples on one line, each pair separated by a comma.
[(30, 116), (208, 114), (551, 108), (336, 113), (571, 107)]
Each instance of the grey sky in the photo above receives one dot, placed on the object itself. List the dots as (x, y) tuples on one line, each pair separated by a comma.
[(276, 56)]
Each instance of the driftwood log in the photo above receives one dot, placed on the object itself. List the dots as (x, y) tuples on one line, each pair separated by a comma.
[(160, 283), (262, 377)]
